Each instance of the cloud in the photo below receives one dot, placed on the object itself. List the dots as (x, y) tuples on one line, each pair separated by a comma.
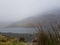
[(13, 10)]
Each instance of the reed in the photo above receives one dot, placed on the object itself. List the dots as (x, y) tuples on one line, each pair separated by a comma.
[(49, 37)]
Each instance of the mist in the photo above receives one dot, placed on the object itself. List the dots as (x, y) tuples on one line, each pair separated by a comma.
[(14, 10)]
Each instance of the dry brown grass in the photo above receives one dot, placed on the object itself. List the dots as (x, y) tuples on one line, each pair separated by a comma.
[(49, 37)]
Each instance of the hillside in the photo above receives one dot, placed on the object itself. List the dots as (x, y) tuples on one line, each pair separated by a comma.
[(46, 18), (4, 24)]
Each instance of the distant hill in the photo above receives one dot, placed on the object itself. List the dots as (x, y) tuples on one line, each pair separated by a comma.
[(52, 16), (4, 24)]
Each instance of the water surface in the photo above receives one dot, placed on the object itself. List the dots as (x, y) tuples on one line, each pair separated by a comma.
[(18, 30)]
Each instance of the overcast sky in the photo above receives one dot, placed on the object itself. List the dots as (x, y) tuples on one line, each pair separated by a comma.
[(13, 10)]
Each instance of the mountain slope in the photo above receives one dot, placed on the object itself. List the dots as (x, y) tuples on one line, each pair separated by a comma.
[(49, 17), (4, 24)]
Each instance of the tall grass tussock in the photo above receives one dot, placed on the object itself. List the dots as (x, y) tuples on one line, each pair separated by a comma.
[(48, 37)]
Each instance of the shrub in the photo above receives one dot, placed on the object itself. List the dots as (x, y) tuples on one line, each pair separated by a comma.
[(49, 37)]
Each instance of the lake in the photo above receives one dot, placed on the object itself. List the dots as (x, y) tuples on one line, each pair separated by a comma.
[(18, 30)]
